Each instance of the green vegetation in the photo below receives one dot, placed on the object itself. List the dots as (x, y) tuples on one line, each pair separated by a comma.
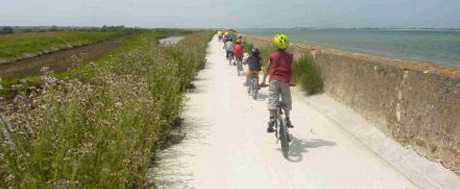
[(128, 43), (102, 132), (308, 75), (13, 46)]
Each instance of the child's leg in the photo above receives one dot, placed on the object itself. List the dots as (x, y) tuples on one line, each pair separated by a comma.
[(247, 76)]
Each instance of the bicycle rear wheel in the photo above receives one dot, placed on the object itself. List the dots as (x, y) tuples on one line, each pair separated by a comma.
[(249, 86), (254, 88), (238, 67), (284, 138)]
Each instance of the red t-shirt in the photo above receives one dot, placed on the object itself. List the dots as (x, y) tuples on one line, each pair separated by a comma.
[(281, 66), (238, 51)]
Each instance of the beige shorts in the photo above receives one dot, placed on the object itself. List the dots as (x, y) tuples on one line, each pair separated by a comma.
[(277, 88)]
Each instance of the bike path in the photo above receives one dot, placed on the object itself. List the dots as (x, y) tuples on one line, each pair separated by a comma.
[(227, 146)]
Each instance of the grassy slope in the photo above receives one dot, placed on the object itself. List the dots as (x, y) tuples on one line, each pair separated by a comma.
[(128, 43), (13, 46), (101, 133)]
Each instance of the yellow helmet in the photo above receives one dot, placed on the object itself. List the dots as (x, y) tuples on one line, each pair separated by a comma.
[(226, 33), (219, 33), (281, 41)]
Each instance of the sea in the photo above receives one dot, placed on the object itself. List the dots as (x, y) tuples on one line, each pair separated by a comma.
[(435, 46)]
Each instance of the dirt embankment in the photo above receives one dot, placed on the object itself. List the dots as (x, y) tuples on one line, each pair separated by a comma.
[(58, 61), (417, 104)]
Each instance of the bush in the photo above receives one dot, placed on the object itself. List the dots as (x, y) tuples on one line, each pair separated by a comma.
[(308, 75), (248, 47), (100, 133)]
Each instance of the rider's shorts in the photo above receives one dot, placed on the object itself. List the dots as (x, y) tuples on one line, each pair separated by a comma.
[(253, 73), (275, 89)]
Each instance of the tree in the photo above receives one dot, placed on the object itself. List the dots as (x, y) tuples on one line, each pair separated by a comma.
[(6, 30), (54, 28)]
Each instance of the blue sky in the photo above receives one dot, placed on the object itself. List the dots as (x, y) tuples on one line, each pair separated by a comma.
[(234, 14)]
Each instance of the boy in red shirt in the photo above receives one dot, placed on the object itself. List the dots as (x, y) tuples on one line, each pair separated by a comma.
[(238, 51), (280, 68)]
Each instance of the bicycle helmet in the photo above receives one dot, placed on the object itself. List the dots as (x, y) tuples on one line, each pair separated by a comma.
[(226, 33), (281, 41), (240, 36), (255, 51)]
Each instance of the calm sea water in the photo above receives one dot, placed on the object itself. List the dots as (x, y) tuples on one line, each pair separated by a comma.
[(436, 46)]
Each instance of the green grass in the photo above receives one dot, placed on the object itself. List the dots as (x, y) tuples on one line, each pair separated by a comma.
[(102, 132), (13, 46), (128, 43)]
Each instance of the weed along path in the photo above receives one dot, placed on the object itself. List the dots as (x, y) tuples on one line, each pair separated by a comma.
[(226, 144)]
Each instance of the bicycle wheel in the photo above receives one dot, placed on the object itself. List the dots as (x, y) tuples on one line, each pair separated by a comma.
[(254, 88), (238, 67), (284, 138), (249, 86)]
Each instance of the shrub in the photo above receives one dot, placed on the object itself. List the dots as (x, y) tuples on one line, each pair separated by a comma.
[(308, 75)]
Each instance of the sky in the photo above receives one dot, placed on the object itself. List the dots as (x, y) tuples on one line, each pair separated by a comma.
[(233, 13)]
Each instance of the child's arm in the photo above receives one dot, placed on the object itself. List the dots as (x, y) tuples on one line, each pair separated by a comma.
[(266, 71)]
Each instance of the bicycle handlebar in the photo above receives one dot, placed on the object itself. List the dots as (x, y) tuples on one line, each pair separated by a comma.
[(290, 84)]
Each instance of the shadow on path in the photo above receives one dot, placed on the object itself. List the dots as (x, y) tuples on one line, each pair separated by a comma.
[(298, 147)]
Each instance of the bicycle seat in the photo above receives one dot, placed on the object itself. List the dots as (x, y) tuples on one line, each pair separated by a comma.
[(281, 105)]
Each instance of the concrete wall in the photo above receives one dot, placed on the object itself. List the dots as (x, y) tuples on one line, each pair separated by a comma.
[(415, 103)]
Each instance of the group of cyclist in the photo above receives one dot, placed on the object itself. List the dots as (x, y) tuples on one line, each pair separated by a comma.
[(279, 67)]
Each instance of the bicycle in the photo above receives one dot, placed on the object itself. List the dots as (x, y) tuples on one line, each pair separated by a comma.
[(239, 66), (281, 130), (253, 86), (230, 58)]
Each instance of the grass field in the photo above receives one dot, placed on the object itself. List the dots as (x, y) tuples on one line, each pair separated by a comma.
[(21, 45), (99, 126), (127, 43)]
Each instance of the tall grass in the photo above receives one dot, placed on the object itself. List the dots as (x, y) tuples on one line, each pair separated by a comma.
[(100, 133)]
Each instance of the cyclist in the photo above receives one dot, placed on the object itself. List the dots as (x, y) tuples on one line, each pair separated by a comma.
[(281, 73), (229, 47), (219, 35), (225, 38), (238, 51), (254, 65)]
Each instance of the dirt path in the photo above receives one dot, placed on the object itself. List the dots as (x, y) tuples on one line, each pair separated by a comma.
[(58, 61), (227, 146)]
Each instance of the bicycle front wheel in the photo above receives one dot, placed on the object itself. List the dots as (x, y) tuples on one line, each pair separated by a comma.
[(249, 86), (284, 138)]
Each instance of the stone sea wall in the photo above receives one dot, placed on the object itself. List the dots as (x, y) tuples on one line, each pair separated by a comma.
[(415, 103)]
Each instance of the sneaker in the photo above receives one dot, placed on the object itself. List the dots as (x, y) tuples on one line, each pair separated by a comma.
[(270, 129), (289, 124)]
